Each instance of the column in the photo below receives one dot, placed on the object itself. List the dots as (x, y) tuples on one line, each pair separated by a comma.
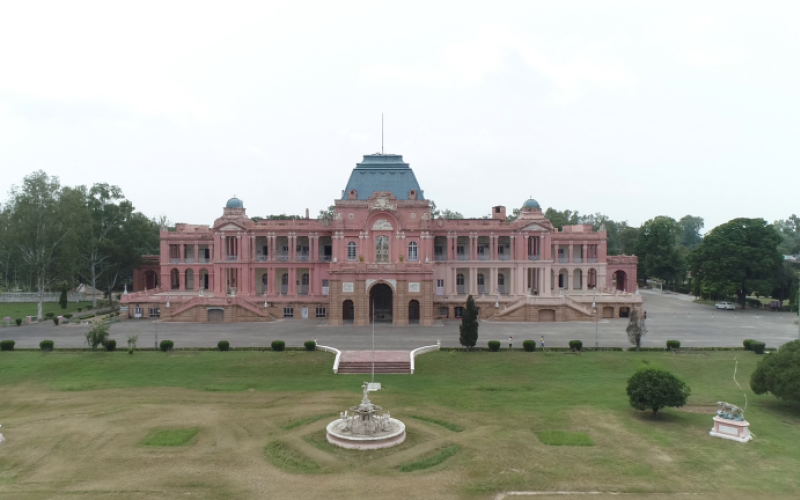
[(492, 285), (292, 271), (181, 247), (584, 255), (271, 281), (449, 248), (473, 281), (571, 247)]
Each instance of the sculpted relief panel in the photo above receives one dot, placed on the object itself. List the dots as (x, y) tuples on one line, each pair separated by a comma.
[(382, 225)]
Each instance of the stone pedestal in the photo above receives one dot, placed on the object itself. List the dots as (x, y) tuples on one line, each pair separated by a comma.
[(735, 430)]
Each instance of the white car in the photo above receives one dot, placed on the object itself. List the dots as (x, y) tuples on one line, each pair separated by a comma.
[(725, 305)]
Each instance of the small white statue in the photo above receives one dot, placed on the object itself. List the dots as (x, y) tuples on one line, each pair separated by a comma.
[(1, 437)]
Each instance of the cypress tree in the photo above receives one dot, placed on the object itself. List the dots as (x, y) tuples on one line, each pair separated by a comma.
[(62, 301), (469, 325)]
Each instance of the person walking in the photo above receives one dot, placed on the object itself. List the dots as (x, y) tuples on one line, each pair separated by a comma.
[(542, 342), (510, 342)]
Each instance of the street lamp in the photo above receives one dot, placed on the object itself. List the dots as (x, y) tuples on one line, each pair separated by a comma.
[(594, 304)]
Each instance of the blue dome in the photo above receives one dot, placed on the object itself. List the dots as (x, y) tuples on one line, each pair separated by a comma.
[(531, 203), (234, 203)]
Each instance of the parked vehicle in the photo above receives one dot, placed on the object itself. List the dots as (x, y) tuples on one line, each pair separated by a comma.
[(725, 305)]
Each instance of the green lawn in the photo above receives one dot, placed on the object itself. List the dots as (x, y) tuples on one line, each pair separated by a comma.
[(22, 309), (478, 424)]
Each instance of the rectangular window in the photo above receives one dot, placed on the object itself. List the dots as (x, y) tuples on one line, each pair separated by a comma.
[(288, 312), (137, 312), (322, 312), (351, 250), (154, 312), (443, 311)]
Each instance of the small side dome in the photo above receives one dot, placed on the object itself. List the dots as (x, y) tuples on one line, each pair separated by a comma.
[(234, 203), (531, 203)]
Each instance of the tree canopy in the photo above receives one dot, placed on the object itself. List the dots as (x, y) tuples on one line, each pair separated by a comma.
[(654, 389), (737, 258), (657, 249), (779, 373), (468, 330)]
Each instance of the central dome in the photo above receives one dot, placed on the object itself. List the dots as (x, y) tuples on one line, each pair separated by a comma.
[(234, 203), (531, 203)]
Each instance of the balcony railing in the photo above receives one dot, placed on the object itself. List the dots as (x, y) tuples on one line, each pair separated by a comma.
[(592, 260), (461, 289), (174, 261), (534, 257), (440, 256), (303, 290), (577, 260), (439, 290), (231, 258), (563, 260), (483, 256), (326, 290), (302, 257), (203, 260), (413, 259), (283, 257), (284, 289), (325, 258), (503, 256), (481, 289), (501, 289), (463, 256), (188, 260)]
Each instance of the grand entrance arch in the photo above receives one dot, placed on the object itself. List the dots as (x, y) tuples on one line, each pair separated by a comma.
[(413, 312), (618, 280), (348, 310), (380, 298)]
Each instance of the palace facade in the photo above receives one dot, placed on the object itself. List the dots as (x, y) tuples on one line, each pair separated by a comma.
[(382, 255)]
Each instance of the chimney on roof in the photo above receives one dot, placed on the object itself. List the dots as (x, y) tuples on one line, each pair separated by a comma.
[(499, 212), (306, 213)]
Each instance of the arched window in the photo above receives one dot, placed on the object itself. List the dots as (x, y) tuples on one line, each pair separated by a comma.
[(501, 279), (413, 255), (285, 279), (460, 279), (351, 250), (480, 279), (304, 279), (592, 278), (382, 249)]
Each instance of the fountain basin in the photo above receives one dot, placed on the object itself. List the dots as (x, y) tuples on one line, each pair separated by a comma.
[(393, 436)]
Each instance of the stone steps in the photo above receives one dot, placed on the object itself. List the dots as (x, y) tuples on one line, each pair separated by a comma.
[(384, 367)]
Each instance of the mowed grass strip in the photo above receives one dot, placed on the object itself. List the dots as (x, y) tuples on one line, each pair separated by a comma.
[(169, 437), (284, 457), (564, 438), (431, 460), (304, 421), (441, 423)]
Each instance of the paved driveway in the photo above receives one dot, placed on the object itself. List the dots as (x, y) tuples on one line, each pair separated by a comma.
[(669, 316)]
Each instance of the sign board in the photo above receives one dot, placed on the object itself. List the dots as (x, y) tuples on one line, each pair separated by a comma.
[(347, 287), (413, 287), (304, 313)]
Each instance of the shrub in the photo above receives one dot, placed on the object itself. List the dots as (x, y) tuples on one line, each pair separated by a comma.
[(68, 316), (673, 345), (653, 389), (494, 345), (18, 321), (575, 345), (50, 315), (310, 345), (468, 329), (46, 345), (529, 345), (779, 373), (223, 345), (80, 309), (97, 335), (7, 345), (746, 344), (166, 345), (278, 345), (757, 347), (55, 321), (111, 345)]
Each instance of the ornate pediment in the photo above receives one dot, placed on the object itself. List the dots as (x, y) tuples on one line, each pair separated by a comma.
[(383, 202), (382, 225), (534, 227), (230, 227)]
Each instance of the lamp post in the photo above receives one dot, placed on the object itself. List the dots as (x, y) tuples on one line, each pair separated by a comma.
[(594, 304)]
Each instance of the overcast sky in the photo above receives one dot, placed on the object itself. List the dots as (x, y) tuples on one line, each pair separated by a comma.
[(632, 109)]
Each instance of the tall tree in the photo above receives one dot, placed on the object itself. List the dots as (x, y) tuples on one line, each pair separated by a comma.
[(40, 222), (468, 330), (789, 230), (690, 227), (126, 244), (656, 247), (737, 258)]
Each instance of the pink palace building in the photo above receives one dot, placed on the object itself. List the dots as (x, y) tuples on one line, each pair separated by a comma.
[(382, 255)]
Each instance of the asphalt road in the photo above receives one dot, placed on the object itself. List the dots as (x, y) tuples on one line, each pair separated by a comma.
[(669, 316)]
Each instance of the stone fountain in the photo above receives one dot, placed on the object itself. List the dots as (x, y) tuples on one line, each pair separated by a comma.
[(366, 427)]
